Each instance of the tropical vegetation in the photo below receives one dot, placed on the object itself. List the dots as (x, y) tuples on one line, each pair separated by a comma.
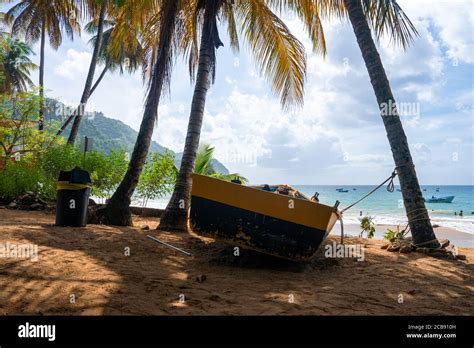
[(204, 166), (153, 33)]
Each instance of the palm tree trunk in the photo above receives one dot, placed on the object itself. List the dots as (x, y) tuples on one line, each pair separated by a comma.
[(99, 80), (70, 118), (117, 210), (418, 217), (90, 76), (96, 84), (41, 76), (175, 216)]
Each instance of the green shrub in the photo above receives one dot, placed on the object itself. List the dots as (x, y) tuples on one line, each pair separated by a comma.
[(39, 173), (367, 226), (106, 171), (390, 234), (19, 177), (157, 178)]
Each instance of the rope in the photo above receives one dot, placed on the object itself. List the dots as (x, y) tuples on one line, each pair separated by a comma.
[(342, 228), (390, 188), (428, 242)]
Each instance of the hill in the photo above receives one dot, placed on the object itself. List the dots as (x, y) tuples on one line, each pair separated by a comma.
[(108, 133)]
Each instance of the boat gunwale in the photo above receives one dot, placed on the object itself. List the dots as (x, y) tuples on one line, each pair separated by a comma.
[(331, 212)]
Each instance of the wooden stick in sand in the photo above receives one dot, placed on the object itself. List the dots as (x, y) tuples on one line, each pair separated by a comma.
[(169, 245)]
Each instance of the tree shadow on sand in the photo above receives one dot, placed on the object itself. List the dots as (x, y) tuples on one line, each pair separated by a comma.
[(91, 264)]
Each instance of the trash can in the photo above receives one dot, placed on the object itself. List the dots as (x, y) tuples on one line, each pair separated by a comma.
[(73, 189)]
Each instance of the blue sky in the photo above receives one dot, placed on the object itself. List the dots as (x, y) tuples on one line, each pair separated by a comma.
[(338, 136)]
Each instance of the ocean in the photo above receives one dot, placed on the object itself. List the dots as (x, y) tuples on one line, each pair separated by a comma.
[(387, 207)]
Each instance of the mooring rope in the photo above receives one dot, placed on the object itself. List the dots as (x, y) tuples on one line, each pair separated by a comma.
[(390, 188), (342, 228)]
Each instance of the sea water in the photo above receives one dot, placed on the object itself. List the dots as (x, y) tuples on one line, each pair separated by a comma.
[(387, 207)]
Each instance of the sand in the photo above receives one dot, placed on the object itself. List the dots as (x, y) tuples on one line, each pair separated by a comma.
[(89, 266)]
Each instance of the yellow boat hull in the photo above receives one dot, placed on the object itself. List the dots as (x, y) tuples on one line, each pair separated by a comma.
[(263, 221)]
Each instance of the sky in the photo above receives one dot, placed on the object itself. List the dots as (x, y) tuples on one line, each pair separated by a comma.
[(337, 137)]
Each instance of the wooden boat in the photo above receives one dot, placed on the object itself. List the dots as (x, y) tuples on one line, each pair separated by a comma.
[(433, 199), (258, 219)]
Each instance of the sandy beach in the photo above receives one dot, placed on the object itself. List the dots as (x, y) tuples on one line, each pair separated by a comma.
[(89, 265)]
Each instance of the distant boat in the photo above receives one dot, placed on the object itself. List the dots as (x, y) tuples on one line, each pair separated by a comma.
[(433, 199), (341, 190), (354, 189), (424, 189), (437, 189)]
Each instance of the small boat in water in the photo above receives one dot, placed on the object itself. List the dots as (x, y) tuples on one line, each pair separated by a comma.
[(259, 219), (341, 190), (433, 199)]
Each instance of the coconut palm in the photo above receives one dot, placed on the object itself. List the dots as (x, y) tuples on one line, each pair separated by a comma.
[(15, 65), (279, 55), (384, 17), (90, 75), (387, 16), (124, 60), (161, 34), (203, 165), (38, 19)]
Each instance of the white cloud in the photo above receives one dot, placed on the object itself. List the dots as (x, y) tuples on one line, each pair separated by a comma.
[(75, 66), (338, 136), (453, 19)]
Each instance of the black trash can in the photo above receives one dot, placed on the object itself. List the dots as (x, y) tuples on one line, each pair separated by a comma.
[(73, 189)]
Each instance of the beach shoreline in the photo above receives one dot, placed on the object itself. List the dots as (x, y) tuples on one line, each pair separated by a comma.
[(456, 237), (92, 264)]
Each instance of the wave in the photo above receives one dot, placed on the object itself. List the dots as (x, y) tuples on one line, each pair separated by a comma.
[(459, 223)]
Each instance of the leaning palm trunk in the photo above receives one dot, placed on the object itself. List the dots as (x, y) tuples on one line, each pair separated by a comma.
[(175, 216), (70, 118), (90, 77), (41, 76), (418, 217), (117, 210)]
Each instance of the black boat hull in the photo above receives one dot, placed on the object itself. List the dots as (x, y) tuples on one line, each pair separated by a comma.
[(258, 220)]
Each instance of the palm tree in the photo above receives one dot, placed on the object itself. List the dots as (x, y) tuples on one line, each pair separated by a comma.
[(90, 75), (384, 17), (203, 165), (280, 57), (388, 16), (129, 59), (159, 51), (15, 65), (37, 18)]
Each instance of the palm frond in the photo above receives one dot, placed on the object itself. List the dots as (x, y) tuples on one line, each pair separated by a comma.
[(280, 57), (228, 14), (203, 159), (386, 17), (309, 11), (230, 177)]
